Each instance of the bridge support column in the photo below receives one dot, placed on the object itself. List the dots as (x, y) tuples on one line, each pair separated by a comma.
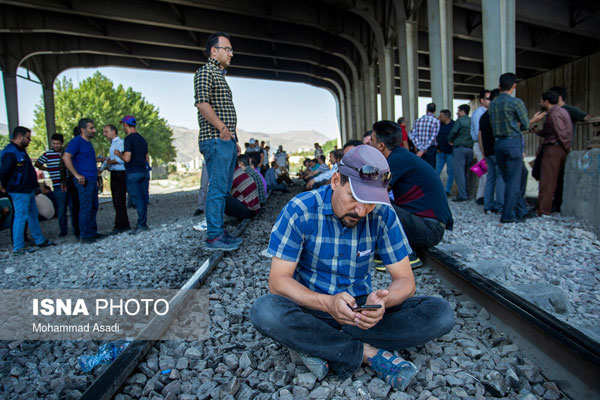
[(409, 73), (9, 78), (498, 24), (349, 115), (49, 110), (359, 128), (371, 95), (439, 17), (386, 82)]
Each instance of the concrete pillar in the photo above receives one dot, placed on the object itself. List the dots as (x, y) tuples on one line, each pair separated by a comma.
[(343, 120), (358, 118), (439, 19), (386, 82), (409, 73), (349, 115), (48, 92), (360, 99), (371, 88), (9, 79), (498, 24)]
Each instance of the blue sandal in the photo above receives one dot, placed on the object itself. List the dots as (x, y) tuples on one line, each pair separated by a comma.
[(392, 369)]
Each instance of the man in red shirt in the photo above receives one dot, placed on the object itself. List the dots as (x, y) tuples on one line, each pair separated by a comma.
[(558, 135)]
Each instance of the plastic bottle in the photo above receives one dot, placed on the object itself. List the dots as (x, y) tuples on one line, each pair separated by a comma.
[(105, 355)]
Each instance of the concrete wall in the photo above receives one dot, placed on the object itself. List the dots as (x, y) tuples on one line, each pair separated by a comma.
[(582, 80), (582, 190)]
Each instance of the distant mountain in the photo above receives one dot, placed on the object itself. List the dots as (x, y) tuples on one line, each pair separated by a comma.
[(3, 129), (186, 141)]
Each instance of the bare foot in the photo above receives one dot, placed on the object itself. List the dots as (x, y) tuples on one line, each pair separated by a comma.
[(368, 352)]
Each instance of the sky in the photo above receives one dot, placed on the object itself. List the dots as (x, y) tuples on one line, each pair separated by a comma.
[(262, 105)]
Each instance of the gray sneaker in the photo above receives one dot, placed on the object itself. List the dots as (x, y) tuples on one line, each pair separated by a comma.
[(220, 243), (233, 239)]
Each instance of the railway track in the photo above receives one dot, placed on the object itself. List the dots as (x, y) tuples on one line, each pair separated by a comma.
[(566, 355), (114, 376)]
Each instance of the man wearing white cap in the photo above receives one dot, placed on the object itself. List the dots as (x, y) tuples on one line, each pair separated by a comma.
[(323, 245)]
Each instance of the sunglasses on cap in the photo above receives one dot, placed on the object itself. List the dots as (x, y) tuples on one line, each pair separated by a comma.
[(369, 173)]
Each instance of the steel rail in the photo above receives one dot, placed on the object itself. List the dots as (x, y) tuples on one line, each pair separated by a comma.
[(570, 357)]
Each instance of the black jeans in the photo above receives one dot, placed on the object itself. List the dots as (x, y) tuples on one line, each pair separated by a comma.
[(416, 321), (118, 188), (430, 155), (420, 232), (73, 202), (235, 208)]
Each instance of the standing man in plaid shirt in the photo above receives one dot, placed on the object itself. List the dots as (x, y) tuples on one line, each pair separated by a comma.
[(217, 139), (424, 134)]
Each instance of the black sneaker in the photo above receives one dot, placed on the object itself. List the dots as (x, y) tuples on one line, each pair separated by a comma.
[(87, 240), (23, 251), (46, 243), (459, 199), (479, 201), (138, 229), (415, 262), (198, 212)]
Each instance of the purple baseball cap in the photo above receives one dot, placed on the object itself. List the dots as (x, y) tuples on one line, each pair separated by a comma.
[(128, 119), (365, 191)]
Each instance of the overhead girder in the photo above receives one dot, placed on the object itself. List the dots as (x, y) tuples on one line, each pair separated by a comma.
[(158, 14), (57, 63), (558, 16), (30, 45)]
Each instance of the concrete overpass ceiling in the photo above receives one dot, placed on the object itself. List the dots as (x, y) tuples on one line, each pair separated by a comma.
[(298, 40), (49, 63)]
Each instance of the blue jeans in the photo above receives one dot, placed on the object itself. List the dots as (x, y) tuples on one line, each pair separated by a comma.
[(462, 160), (509, 155), (137, 183), (62, 199), (25, 210), (220, 156), (493, 196), (88, 207), (440, 160), (417, 320)]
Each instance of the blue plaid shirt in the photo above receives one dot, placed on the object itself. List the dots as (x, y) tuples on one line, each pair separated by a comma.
[(332, 258), (425, 131)]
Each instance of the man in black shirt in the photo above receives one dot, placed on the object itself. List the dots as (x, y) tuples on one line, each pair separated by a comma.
[(135, 155), (493, 197), (444, 149)]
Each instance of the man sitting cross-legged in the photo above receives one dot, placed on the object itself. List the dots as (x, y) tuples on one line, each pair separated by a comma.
[(323, 245)]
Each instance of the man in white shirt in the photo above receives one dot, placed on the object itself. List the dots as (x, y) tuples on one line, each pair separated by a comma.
[(118, 180)]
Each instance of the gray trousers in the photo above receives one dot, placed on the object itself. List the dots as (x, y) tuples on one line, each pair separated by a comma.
[(203, 187), (462, 159)]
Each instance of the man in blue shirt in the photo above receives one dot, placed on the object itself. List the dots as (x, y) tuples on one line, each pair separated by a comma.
[(18, 178), (445, 149), (419, 198), (135, 156), (80, 158), (323, 245)]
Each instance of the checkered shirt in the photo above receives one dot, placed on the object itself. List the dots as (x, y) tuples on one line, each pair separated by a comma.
[(506, 112), (424, 132), (332, 258), (211, 87)]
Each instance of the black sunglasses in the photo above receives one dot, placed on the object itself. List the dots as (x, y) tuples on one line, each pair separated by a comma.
[(369, 173)]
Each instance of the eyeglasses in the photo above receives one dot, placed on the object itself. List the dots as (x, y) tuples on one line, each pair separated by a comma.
[(369, 173), (227, 48)]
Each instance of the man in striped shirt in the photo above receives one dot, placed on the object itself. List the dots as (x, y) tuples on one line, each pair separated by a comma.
[(424, 134), (243, 201), (51, 161), (244, 163)]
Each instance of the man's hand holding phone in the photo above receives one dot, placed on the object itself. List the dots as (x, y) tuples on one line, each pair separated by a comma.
[(372, 312)]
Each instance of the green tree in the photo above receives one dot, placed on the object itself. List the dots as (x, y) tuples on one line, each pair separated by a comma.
[(97, 98)]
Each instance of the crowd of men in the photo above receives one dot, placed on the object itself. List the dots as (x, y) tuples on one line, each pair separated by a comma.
[(74, 173), (377, 203)]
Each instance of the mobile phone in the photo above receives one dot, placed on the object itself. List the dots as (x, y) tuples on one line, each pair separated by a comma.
[(365, 307)]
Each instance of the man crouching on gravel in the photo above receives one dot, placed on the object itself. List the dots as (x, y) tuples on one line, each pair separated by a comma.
[(323, 245)]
